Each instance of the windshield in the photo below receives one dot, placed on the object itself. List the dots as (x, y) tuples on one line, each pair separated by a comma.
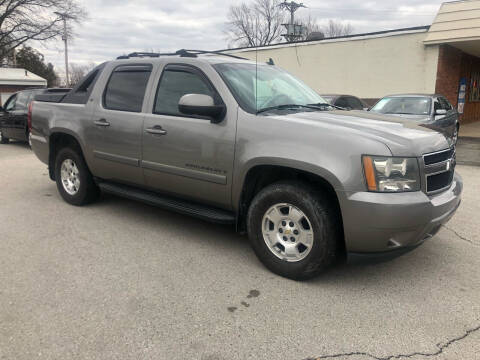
[(265, 86), (404, 105)]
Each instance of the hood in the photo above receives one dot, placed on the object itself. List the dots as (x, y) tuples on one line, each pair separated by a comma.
[(402, 136)]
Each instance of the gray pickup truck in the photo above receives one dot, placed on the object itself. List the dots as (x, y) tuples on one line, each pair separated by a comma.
[(236, 142)]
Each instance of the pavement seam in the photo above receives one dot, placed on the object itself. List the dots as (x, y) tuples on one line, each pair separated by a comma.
[(440, 350), (460, 236)]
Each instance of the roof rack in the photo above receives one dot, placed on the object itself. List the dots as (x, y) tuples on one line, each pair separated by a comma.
[(181, 53)]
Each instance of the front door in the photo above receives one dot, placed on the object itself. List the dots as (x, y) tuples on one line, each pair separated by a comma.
[(117, 125), (188, 156)]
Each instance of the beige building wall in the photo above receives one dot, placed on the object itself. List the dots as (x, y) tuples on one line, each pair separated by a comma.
[(366, 66)]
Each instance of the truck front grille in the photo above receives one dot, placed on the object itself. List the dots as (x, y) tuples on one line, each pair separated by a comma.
[(439, 170)]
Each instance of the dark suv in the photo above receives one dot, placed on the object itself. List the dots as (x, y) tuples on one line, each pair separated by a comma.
[(13, 116)]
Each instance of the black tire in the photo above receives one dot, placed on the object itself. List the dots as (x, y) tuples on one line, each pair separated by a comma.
[(321, 213), (3, 140), (29, 140), (88, 190)]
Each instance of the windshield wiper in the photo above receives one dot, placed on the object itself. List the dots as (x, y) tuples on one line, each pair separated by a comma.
[(289, 106), (327, 104)]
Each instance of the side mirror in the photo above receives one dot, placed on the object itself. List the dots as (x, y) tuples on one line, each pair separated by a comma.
[(441, 112), (2, 110), (201, 105)]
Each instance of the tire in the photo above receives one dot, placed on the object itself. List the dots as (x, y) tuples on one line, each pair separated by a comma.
[(321, 217), (3, 140), (455, 134), (79, 189), (29, 138)]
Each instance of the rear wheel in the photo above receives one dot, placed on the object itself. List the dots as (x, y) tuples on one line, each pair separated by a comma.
[(74, 180), (3, 139), (29, 138), (293, 229)]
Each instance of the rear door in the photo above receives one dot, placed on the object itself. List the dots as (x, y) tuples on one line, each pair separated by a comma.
[(188, 156), (19, 115), (115, 134)]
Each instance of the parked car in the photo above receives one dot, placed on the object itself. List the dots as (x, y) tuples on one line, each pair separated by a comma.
[(347, 102), (432, 111), (13, 115), (308, 183)]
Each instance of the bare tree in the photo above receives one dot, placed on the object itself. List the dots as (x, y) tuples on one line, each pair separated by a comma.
[(311, 29), (255, 24), (336, 29), (24, 20), (77, 72)]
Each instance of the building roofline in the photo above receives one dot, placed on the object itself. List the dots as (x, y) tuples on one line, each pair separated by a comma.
[(425, 28)]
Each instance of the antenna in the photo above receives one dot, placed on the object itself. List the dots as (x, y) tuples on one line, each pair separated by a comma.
[(256, 65)]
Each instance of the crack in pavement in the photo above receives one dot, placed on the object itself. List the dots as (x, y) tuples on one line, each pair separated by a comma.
[(460, 236), (439, 351)]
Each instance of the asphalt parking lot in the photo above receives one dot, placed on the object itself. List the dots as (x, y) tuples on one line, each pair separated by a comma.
[(123, 280)]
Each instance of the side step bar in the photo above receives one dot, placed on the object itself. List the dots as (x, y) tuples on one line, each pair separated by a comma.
[(178, 205)]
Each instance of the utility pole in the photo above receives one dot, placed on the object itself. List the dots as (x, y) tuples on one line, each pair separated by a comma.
[(64, 17), (294, 31)]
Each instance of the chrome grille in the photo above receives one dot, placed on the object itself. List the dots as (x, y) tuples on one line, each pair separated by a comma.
[(439, 170)]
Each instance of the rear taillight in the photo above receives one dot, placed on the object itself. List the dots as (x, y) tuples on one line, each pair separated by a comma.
[(29, 115)]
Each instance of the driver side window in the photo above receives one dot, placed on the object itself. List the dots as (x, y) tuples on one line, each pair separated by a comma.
[(175, 83)]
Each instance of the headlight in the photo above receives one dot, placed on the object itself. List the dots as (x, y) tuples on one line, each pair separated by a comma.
[(391, 174)]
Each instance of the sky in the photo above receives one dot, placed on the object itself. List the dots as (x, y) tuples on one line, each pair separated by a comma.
[(116, 27)]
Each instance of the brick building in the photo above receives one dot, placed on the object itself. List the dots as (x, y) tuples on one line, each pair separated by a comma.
[(14, 79), (440, 58)]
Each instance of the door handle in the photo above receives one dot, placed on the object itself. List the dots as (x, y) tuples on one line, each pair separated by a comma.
[(156, 130), (101, 122)]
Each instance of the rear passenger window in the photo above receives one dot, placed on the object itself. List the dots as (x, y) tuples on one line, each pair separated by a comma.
[(175, 83), (126, 88)]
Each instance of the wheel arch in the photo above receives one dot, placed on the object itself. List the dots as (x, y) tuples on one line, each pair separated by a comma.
[(262, 175), (59, 139)]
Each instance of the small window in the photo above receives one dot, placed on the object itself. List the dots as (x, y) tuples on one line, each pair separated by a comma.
[(175, 83), (126, 88), (22, 100), (10, 104), (445, 104)]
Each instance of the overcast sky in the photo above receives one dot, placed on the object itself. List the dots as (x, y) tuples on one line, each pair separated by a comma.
[(116, 27)]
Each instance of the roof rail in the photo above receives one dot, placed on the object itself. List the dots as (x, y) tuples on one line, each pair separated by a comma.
[(181, 53)]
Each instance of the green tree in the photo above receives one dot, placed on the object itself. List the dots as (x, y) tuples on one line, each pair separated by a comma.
[(34, 61)]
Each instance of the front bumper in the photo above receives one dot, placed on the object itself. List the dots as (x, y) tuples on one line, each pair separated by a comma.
[(380, 226)]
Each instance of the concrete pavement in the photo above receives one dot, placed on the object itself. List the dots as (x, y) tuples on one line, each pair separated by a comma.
[(123, 280)]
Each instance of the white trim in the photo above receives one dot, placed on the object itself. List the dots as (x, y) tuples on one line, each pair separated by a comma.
[(327, 41)]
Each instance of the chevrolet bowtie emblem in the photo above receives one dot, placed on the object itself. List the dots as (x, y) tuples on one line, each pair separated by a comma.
[(288, 232)]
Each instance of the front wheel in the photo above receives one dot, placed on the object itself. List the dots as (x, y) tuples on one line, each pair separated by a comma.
[(74, 180), (3, 139), (293, 229)]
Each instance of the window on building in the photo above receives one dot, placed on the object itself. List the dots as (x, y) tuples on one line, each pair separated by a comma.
[(475, 87), (175, 83), (126, 88)]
